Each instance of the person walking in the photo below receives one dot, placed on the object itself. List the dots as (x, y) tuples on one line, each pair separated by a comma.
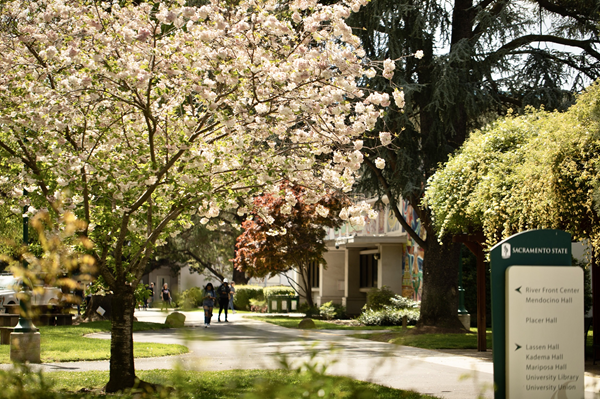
[(165, 293), (231, 294), (223, 295), (150, 298), (208, 303)]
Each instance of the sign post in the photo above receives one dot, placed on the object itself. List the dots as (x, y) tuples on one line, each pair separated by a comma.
[(537, 317)]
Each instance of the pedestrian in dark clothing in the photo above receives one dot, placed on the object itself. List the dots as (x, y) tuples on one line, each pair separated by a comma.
[(208, 303), (223, 295)]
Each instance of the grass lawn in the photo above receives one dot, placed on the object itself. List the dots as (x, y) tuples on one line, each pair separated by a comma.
[(396, 334), (430, 341), (292, 322), (67, 343), (250, 384)]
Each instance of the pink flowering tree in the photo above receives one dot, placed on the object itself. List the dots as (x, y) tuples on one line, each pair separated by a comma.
[(137, 118)]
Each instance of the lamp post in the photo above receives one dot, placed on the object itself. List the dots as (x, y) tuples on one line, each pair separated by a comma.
[(463, 314), (25, 324), (25, 339)]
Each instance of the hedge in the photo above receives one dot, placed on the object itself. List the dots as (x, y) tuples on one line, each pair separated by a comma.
[(243, 294), (279, 291)]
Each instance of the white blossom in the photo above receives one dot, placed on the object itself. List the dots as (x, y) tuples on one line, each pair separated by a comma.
[(344, 214), (380, 163), (399, 98), (322, 211), (386, 138), (388, 68)]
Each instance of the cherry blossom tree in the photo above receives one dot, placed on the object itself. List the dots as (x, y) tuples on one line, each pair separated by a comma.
[(287, 233), (138, 117)]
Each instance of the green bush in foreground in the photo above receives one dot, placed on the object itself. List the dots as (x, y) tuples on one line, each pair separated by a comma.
[(305, 382)]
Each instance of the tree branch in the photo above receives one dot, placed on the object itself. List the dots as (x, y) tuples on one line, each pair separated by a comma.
[(557, 9), (206, 265), (394, 205), (523, 40)]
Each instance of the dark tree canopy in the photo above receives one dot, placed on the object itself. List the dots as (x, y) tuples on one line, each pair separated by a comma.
[(480, 60)]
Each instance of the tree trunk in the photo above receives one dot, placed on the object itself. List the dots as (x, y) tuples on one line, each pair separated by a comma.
[(122, 369), (305, 284), (239, 277), (439, 305)]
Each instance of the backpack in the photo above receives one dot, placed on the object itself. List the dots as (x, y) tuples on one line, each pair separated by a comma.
[(223, 292)]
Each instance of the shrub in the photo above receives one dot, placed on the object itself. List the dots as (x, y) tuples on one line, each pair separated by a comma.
[(279, 291), (400, 302), (391, 315), (244, 293), (388, 316), (191, 298), (141, 293), (256, 305), (309, 311), (23, 383), (378, 298), (330, 311)]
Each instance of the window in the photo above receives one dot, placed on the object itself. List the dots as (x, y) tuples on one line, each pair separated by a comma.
[(368, 271), (313, 274)]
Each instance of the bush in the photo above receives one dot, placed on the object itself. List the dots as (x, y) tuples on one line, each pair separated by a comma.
[(400, 302), (141, 293), (330, 311), (244, 293), (309, 311), (256, 305), (378, 298), (279, 291), (23, 383), (191, 298), (388, 316), (391, 315)]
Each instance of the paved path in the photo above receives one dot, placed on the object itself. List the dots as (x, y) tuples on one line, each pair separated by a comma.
[(244, 343)]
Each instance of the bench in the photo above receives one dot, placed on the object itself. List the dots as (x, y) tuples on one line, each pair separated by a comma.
[(5, 335), (8, 320), (46, 319), (54, 319)]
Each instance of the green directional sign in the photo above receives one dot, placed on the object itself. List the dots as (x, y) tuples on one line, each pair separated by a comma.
[(529, 248)]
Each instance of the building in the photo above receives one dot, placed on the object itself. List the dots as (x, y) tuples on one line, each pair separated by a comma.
[(379, 254), (358, 259)]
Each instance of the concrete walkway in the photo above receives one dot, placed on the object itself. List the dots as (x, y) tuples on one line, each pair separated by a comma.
[(244, 343)]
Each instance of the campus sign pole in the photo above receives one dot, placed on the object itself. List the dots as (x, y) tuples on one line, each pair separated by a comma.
[(537, 317)]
